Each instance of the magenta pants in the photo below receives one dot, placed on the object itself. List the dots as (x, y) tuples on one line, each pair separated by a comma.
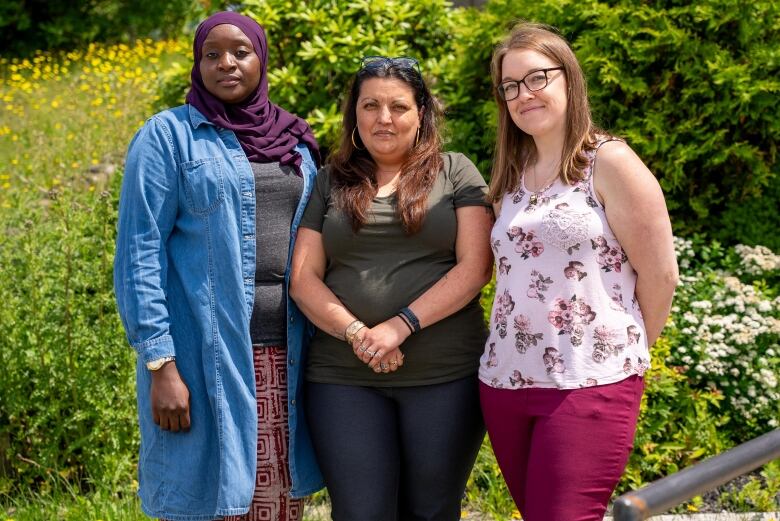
[(562, 452)]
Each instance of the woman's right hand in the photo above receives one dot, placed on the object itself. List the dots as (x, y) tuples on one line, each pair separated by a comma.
[(170, 399)]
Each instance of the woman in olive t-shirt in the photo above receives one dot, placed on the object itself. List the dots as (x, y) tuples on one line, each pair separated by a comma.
[(391, 255)]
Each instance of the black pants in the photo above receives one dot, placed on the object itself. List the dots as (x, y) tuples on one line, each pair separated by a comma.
[(396, 454)]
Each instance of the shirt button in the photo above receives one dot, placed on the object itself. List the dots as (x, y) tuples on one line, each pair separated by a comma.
[(248, 280), (247, 237), (292, 319), (247, 194), (292, 361), (292, 402)]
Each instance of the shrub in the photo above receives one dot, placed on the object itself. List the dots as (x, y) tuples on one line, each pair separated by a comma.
[(37, 25), (67, 389), (725, 331), (691, 86), (68, 385)]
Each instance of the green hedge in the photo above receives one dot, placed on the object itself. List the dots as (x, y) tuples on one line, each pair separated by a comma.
[(692, 87), (30, 25)]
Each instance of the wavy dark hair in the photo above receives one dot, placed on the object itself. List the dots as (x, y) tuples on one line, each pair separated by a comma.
[(353, 170)]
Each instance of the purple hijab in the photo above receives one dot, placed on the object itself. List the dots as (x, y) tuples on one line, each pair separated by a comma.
[(267, 132)]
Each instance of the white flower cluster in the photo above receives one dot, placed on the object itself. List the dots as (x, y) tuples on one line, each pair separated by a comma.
[(729, 335), (684, 250), (757, 260)]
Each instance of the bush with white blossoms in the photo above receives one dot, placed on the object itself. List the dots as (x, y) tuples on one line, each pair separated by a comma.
[(725, 328)]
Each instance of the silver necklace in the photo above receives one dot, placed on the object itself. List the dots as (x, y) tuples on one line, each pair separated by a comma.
[(533, 199)]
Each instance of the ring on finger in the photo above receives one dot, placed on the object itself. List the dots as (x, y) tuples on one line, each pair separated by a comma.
[(372, 354), (393, 362), (383, 366), (362, 348)]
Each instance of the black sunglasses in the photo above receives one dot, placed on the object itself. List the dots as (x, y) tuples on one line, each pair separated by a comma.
[(403, 62)]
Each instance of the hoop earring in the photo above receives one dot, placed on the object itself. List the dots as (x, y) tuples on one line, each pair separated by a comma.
[(353, 140)]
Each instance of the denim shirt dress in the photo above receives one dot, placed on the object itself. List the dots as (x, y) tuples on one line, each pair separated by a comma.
[(184, 282)]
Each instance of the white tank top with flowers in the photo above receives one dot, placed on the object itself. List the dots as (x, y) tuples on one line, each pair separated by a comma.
[(565, 313)]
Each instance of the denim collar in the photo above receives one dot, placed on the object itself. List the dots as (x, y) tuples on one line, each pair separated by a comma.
[(196, 118)]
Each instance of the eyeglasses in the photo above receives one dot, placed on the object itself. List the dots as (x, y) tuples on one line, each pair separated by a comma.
[(403, 62), (533, 81)]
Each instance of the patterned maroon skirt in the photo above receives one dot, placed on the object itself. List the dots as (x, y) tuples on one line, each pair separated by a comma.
[(271, 500)]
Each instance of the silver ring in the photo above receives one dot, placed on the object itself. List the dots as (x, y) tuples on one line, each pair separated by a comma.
[(362, 348), (372, 354), (383, 366)]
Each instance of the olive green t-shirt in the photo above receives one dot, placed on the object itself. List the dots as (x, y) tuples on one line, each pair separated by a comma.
[(380, 270)]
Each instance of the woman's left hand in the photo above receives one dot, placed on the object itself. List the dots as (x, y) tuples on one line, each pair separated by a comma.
[(372, 345), (390, 362)]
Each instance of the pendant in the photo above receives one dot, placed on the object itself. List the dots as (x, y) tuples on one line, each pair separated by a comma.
[(533, 199)]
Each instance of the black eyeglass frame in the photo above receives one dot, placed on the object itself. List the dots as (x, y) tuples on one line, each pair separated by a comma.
[(502, 93), (406, 62)]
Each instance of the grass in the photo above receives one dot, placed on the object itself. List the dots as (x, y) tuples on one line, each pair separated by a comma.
[(65, 116)]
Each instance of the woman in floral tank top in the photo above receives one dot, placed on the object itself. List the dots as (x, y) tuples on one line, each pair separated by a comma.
[(585, 273)]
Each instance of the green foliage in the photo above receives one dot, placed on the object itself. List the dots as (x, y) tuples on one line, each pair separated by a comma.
[(28, 25), (486, 489), (753, 218), (316, 46), (725, 331), (760, 493), (691, 86), (64, 502), (67, 389), (678, 425)]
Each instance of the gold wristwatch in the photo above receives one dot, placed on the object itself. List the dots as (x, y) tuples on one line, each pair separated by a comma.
[(156, 365)]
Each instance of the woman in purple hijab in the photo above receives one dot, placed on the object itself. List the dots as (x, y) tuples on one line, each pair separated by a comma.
[(212, 195)]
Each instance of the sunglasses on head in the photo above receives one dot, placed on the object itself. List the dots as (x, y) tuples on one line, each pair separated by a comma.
[(403, 62)]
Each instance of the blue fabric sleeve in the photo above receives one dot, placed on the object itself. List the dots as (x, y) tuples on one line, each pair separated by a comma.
[(147, 212)]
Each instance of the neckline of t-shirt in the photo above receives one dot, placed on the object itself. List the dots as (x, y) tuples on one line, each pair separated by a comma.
[(386, 197)]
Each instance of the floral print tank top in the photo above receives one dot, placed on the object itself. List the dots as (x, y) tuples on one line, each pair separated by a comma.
[(565, 313)]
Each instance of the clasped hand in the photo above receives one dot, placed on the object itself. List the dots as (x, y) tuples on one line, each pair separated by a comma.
[(379, 346)]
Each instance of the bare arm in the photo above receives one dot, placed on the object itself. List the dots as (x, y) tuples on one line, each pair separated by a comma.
[(473, 268), (308, 290), (637, 214)]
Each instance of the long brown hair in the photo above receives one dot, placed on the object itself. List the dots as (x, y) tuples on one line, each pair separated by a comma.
[(353, 170), (515, 150)]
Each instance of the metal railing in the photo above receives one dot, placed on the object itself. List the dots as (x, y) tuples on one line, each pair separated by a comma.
[(661, 495)]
